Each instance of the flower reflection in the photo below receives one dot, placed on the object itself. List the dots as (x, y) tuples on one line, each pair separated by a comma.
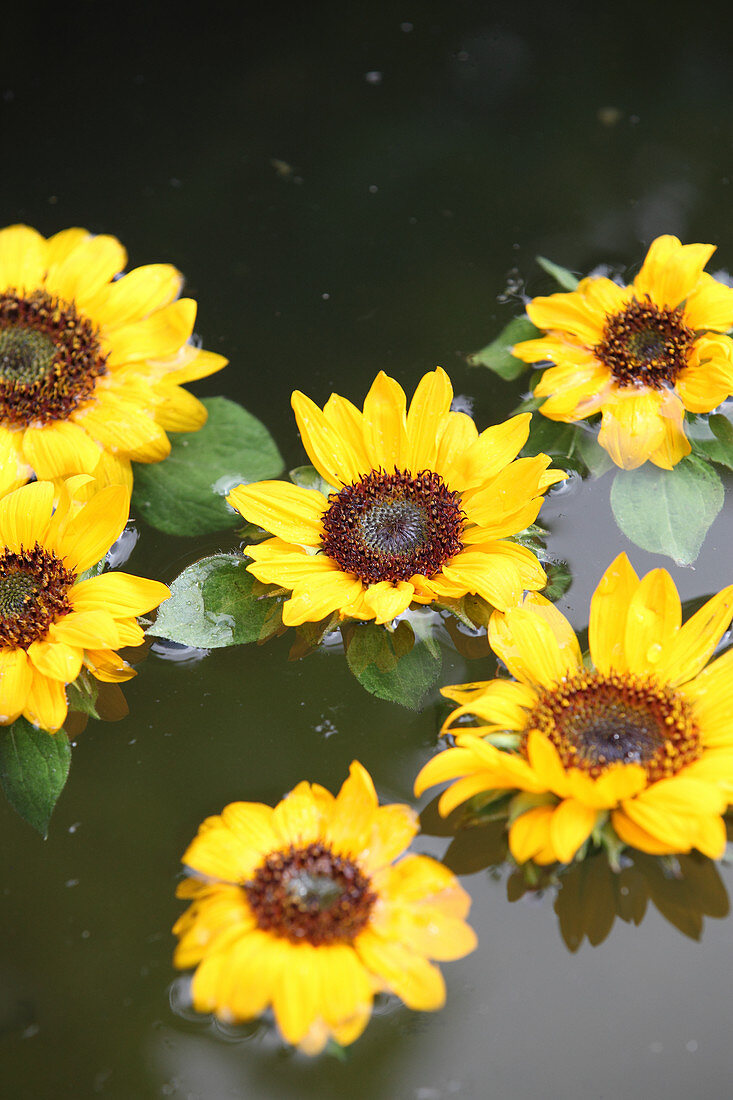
[(588, 895), (640, 355), (302, 908)]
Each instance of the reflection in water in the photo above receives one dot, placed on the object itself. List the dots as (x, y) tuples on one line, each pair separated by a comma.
[(588, 895)]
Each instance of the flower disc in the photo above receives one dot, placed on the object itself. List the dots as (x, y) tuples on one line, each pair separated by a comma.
[(596, 721), (646, 344), (389, 527), (310, 895), (33, 594), (50, 357)]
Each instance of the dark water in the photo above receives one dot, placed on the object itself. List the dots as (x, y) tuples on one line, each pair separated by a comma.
[(399, 232)]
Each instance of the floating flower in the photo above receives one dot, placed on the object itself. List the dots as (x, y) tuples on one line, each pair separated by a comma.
[(641, 355), (53, 623), (303, 908), (90, 364), (421, 511), (636, 749)]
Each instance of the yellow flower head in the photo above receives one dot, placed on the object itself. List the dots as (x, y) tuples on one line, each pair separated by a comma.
[(640, 741), (303, 908), (421, 508), (52, 624), (640, 355), (90, 364)]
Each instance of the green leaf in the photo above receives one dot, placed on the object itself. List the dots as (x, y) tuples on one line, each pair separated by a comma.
[(390, 666), (497, 355), (596, 459), (184, 494), (561, 275), (34, 766), (215, 602), (668, 511), (551, 437)]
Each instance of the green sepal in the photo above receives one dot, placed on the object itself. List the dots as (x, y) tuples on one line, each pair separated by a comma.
[(392, 664), (559, 579), (184, 494), (561, 275), (82, 694), (668, 511), (34, 767), (497, 355), (215, 603)]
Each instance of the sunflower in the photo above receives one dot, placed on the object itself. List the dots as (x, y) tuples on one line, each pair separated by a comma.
[(421, 510), (634, 749), (90, 364), (54, 623), (303, 908), (641, 355)]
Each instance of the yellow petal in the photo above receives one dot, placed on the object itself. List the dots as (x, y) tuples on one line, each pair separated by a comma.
[(91, 532), (429, 405), (94, 629), (57, 660), (530, 832), (709, 305), (159, 335), (136, 295), (566, 313), (46, 703), (671, 270), (59, 449), (320, 596), (295, 999), (347, 423), (130, 432), (415, 980), (79, 274), (631, 426), (22, 258), (329, 452), (571, 825), (350, 827), (385, 425), (25, 515), (119, 594), (608, 607), (653, 618), (15, 682), (297, 818), (14, 470), (494, 449), (528, 646), (386, 600), (107, 666), (291, 513), (693, 645)]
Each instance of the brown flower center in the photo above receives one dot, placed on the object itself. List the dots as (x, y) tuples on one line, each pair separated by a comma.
[(33, 594), (646, 344), (50, 358), (310, 895), (595, 721), (388, 527)]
